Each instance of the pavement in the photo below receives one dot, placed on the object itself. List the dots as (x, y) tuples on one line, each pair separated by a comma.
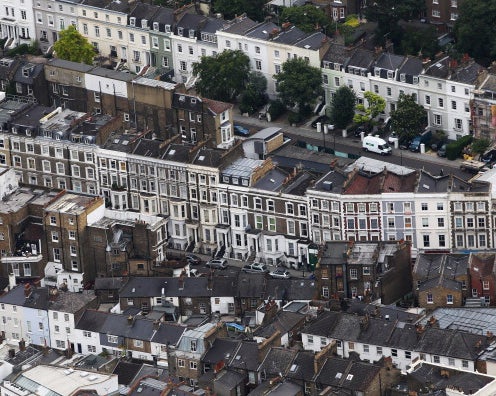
[(306, 131)]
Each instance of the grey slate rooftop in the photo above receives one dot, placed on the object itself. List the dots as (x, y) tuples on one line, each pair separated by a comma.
[(71, 302), (278, 360)]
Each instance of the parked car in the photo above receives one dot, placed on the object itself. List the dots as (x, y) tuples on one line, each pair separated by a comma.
[(255, 268), (193, 260), (280, 273), (217, 264), (322, 119), (441, 152), (241, 130), (424, 138)]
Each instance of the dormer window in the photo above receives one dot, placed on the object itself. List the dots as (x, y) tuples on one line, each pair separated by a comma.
[(377, 72), (25, 72), (191, 33), (144, 23), (155, 25), (193, 100), (180, 31), (402, 77), (389, 74), (132, 21), (167, 29)]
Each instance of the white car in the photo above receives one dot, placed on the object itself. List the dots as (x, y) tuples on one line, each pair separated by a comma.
[(280, 273), (255, 268)]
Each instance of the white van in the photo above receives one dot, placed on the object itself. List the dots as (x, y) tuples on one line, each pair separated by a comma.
[(376, 145)]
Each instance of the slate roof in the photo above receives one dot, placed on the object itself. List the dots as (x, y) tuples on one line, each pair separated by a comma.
[(211, 25), (356, 376), (143, 11), (33, 71), (191, 287), (168, 333), (291, 289), (451, 343), (148, 148), (229, 378), (107, 283), (245, 357), (164, 16), (448, 284), (278, 360), (283, 321), (222, 349), (290, 36), (467, 382), (38, 298), (251, 285), (337, 53), (389, 61), (313, 41), (412, 67), (361, 58), (114, 324), (71, 302), (474, 320), (126, 372), (239, 25), (262, 30), (429, 266), (333, 253), (302, 366)]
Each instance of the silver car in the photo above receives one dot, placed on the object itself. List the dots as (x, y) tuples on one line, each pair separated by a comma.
[(217, 264), (280, 273)]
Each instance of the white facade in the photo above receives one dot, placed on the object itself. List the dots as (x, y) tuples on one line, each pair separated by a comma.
[(61, 329), (17, 23)]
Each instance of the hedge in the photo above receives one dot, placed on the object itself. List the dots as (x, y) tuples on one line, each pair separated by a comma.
[(454, 149)]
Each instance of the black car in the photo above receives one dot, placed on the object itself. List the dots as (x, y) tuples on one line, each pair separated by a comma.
[(322, 119)]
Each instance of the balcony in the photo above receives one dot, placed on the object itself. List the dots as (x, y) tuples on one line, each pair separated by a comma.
[(25, 252)]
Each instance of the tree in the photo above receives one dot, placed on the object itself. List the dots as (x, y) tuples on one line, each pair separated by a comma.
[(475, 30), (409, 118), (418, 42), (343, 107), (72, 46), (479, 146), (222, 77), (387, 14), (299, 83), (307, 18), (254, 9), (254, 95), (376, 105)]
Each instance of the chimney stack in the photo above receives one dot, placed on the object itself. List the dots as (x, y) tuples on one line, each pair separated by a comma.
[(130, 320), (156, 325), (27, 290), (22, 345)]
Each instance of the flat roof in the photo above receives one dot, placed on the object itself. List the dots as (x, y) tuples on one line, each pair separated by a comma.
[(52, 380)]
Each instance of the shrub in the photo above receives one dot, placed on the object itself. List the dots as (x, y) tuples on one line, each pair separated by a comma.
[(294, 118), (454, 149), (276, 109)]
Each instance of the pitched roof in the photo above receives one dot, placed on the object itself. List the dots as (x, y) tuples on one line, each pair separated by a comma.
[(278, 360), (216, 106), (452, 343), (245, 357), (222, 349), (283, 321), (347, 374)]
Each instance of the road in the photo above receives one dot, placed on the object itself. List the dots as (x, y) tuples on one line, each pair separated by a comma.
[(428, 161)]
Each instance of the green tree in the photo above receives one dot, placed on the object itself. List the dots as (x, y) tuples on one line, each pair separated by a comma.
[(72, 46), (254, 95), (387, 14), (376, 105), (479, 146), (222, 77), (254, 9), (307, 18), (299, 83), (475, 30), (419, 42), (343, 107), (409, 118)]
